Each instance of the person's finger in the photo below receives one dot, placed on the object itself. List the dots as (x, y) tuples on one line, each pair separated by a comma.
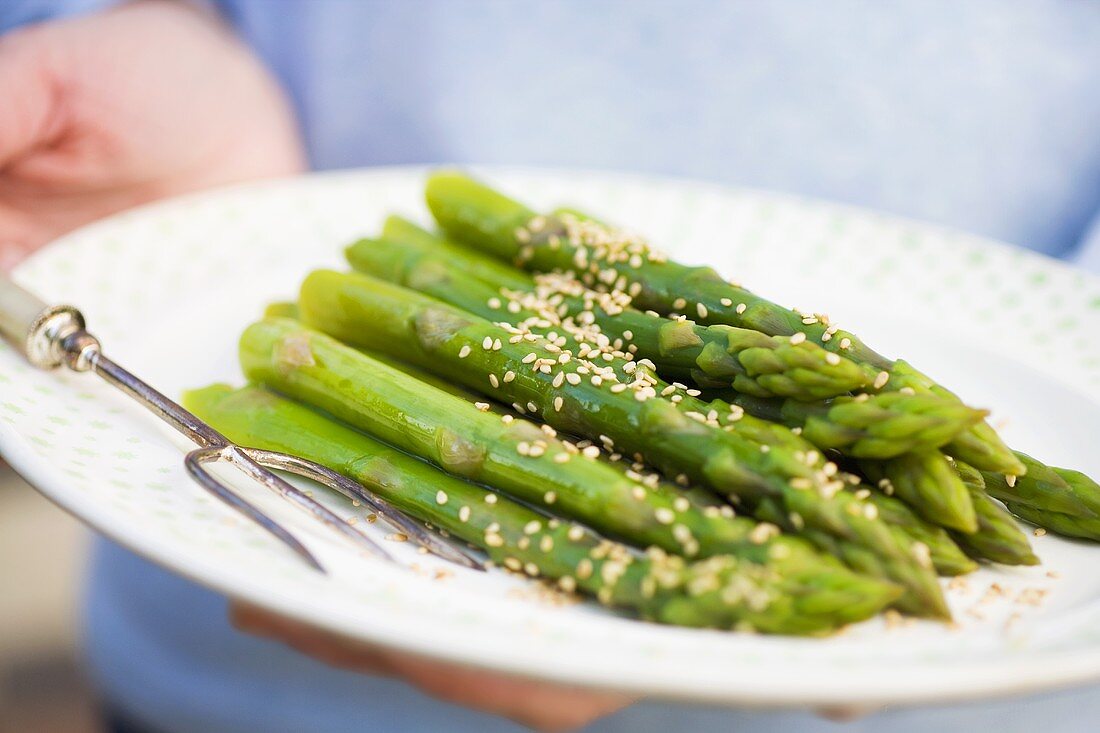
[(535, 704), (845, 713), (29, 116)]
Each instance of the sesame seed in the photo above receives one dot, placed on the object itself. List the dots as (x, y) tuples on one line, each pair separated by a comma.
[(523, 448), (559, 378), (532, 527), (1010, 480), (494, 381), (550, 497), (798, 338), (567, 584), (845, 343), (507, 419), (497, 346), (494, 303), (464, 514), (558, 402), (664, 515), (741, 308), (440, 497), (681, 504), (546, 543), (530, 358), (763, 532), (882, 379), (679, 303), (487, 343), (490, 498), (509, 376), (482, 406), (494, 540), (1039, 532), (584, 568), (398, 537), (726, 302), (701, 310), (832, 358), (532, 407), (561, 458), (591, 452)]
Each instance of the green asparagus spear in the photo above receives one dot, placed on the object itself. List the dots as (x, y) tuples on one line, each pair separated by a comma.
[(999, 538), (1068, 525), (947, 556), (1047, 489), (475, 214), (1064, 501), (585, 397), (878, 426), (928, 483), (745, 360), (721, 592)]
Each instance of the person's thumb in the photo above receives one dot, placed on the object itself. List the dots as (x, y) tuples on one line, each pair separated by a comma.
[(29, 115)]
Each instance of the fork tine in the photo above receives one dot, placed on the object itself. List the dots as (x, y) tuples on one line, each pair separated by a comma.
[(356, 491), (235, 455), (193, 462)]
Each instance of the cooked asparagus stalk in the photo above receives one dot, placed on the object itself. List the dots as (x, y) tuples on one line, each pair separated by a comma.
[(475, 214), (999, 538), (746, 360), (1068, 525), (1059, 499), (1048, 489), (878, 426), (581, 396), (928, 483), (721, 592), (947, 555)]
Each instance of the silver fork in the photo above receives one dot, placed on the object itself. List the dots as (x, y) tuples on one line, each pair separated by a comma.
[(53, 336)]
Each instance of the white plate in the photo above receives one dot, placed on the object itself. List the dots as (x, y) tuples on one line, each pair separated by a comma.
[(169, 287)]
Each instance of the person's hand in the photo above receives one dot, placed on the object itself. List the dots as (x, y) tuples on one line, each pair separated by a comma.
[(534, 704), (110, 110)]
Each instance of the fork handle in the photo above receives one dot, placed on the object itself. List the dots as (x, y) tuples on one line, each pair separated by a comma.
[(34, 328)]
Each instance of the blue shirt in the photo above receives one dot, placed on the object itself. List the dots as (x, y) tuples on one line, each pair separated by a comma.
[(979, 115)]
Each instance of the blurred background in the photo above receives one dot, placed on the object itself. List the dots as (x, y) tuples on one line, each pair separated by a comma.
[(42, 550)]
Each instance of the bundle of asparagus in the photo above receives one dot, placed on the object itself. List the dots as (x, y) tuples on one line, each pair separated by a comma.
[(557, 393), (606, 259), (721, 592)]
